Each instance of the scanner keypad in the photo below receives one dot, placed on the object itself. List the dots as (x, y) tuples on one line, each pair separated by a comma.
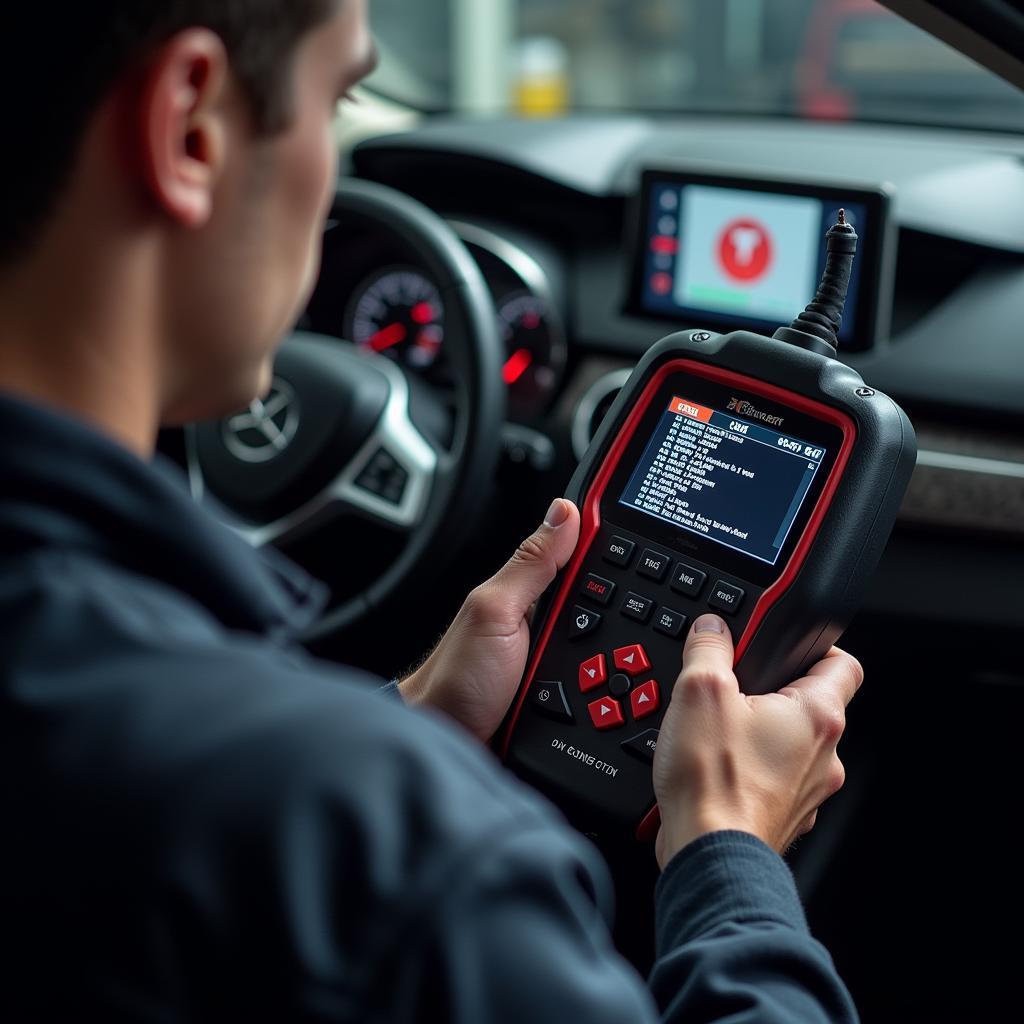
[(622, 680)]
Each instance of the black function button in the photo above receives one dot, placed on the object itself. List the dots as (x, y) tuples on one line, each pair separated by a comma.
[(619, 685), (669, 622), (598, 589), (619, 551), (687, 580), (549, 697), (644, 745), (582, 621), (653, 565), (638, 607), (726, 598)]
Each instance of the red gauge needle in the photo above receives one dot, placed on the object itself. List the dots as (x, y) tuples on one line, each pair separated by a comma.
[(517, 365), (423, 313), (386, 337)]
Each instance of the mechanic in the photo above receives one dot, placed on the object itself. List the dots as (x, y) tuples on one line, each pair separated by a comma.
[(200, 820)]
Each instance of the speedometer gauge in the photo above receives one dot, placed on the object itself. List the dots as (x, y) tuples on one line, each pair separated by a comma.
[(398, 313), (534, 351)]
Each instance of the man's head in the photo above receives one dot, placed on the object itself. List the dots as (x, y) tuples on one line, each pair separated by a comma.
[(184, 147)]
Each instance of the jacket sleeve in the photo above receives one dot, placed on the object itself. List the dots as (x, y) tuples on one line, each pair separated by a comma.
[(516, 933), (733, 943)]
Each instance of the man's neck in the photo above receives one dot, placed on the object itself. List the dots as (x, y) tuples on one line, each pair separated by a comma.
[(74, 336)]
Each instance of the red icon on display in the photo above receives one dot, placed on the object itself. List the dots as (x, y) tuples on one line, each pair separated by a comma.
[(661, 283), (745, 250)]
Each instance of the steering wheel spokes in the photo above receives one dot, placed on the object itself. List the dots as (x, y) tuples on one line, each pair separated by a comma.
[(391, 476)]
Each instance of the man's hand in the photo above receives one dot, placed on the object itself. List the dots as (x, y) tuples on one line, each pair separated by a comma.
[(759, 764), (475, 669)]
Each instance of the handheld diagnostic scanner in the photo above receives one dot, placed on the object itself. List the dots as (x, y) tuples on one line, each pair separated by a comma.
[(757, 478)]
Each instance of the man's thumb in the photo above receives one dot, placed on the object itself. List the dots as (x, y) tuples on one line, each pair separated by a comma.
[(708, 652), (527, 574)]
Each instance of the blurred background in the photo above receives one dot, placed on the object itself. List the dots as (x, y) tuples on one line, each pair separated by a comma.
[(824, 59)]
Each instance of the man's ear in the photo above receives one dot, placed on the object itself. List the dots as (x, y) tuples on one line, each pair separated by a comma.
[(183, 132)]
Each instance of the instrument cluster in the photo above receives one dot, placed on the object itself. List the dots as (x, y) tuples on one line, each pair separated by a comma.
[(380, 301)]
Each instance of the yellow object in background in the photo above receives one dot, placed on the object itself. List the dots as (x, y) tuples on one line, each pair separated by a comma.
[(541, 83)]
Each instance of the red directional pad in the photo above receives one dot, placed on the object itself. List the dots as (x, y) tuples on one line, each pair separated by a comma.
[(593, 672), (606, 713), (645, 700), (632, 659)]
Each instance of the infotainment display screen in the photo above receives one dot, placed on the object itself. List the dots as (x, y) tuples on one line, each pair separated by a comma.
[(716, 473), (748, 254)]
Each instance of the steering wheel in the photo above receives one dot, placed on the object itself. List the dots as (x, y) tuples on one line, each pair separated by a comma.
[(346, 432)]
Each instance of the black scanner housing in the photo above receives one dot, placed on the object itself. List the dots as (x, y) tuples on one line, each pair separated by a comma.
[(799, 626)]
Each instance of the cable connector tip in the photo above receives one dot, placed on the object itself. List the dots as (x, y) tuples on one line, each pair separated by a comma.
[(817, 327)]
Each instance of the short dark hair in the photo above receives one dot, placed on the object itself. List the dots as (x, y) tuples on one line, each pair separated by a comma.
[(61, 61)]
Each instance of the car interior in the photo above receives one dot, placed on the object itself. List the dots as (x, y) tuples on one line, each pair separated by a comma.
[(502, 251)]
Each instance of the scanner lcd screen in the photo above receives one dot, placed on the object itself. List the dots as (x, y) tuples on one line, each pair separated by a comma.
[(728, 475)]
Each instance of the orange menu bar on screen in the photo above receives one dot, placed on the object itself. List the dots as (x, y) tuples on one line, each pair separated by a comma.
[(684, 407)]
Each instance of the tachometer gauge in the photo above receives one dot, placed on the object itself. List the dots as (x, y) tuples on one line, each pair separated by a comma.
[(534, 351), (398, 313)]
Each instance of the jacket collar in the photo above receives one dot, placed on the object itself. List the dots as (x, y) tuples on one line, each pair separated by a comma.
[(63, 485)]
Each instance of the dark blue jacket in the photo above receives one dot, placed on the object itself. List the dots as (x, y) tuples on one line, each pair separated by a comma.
[(200, 822)]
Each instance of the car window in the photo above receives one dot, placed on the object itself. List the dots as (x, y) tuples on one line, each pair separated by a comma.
[(833, 59)]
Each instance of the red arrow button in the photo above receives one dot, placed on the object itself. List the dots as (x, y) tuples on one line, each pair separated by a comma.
[(632, 659), (606, 713), (645, 700), (593, 672)]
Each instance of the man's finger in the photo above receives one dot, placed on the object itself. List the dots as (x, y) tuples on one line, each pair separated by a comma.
[(708, 653), (528, 573), (837, 676)]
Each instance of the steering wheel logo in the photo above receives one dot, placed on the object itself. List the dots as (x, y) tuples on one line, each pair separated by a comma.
[(267, 428)]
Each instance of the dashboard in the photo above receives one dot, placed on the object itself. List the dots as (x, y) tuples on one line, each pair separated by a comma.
[(555, 213)]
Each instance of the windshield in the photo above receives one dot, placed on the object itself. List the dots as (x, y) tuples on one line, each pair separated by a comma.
[(832, 59)]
